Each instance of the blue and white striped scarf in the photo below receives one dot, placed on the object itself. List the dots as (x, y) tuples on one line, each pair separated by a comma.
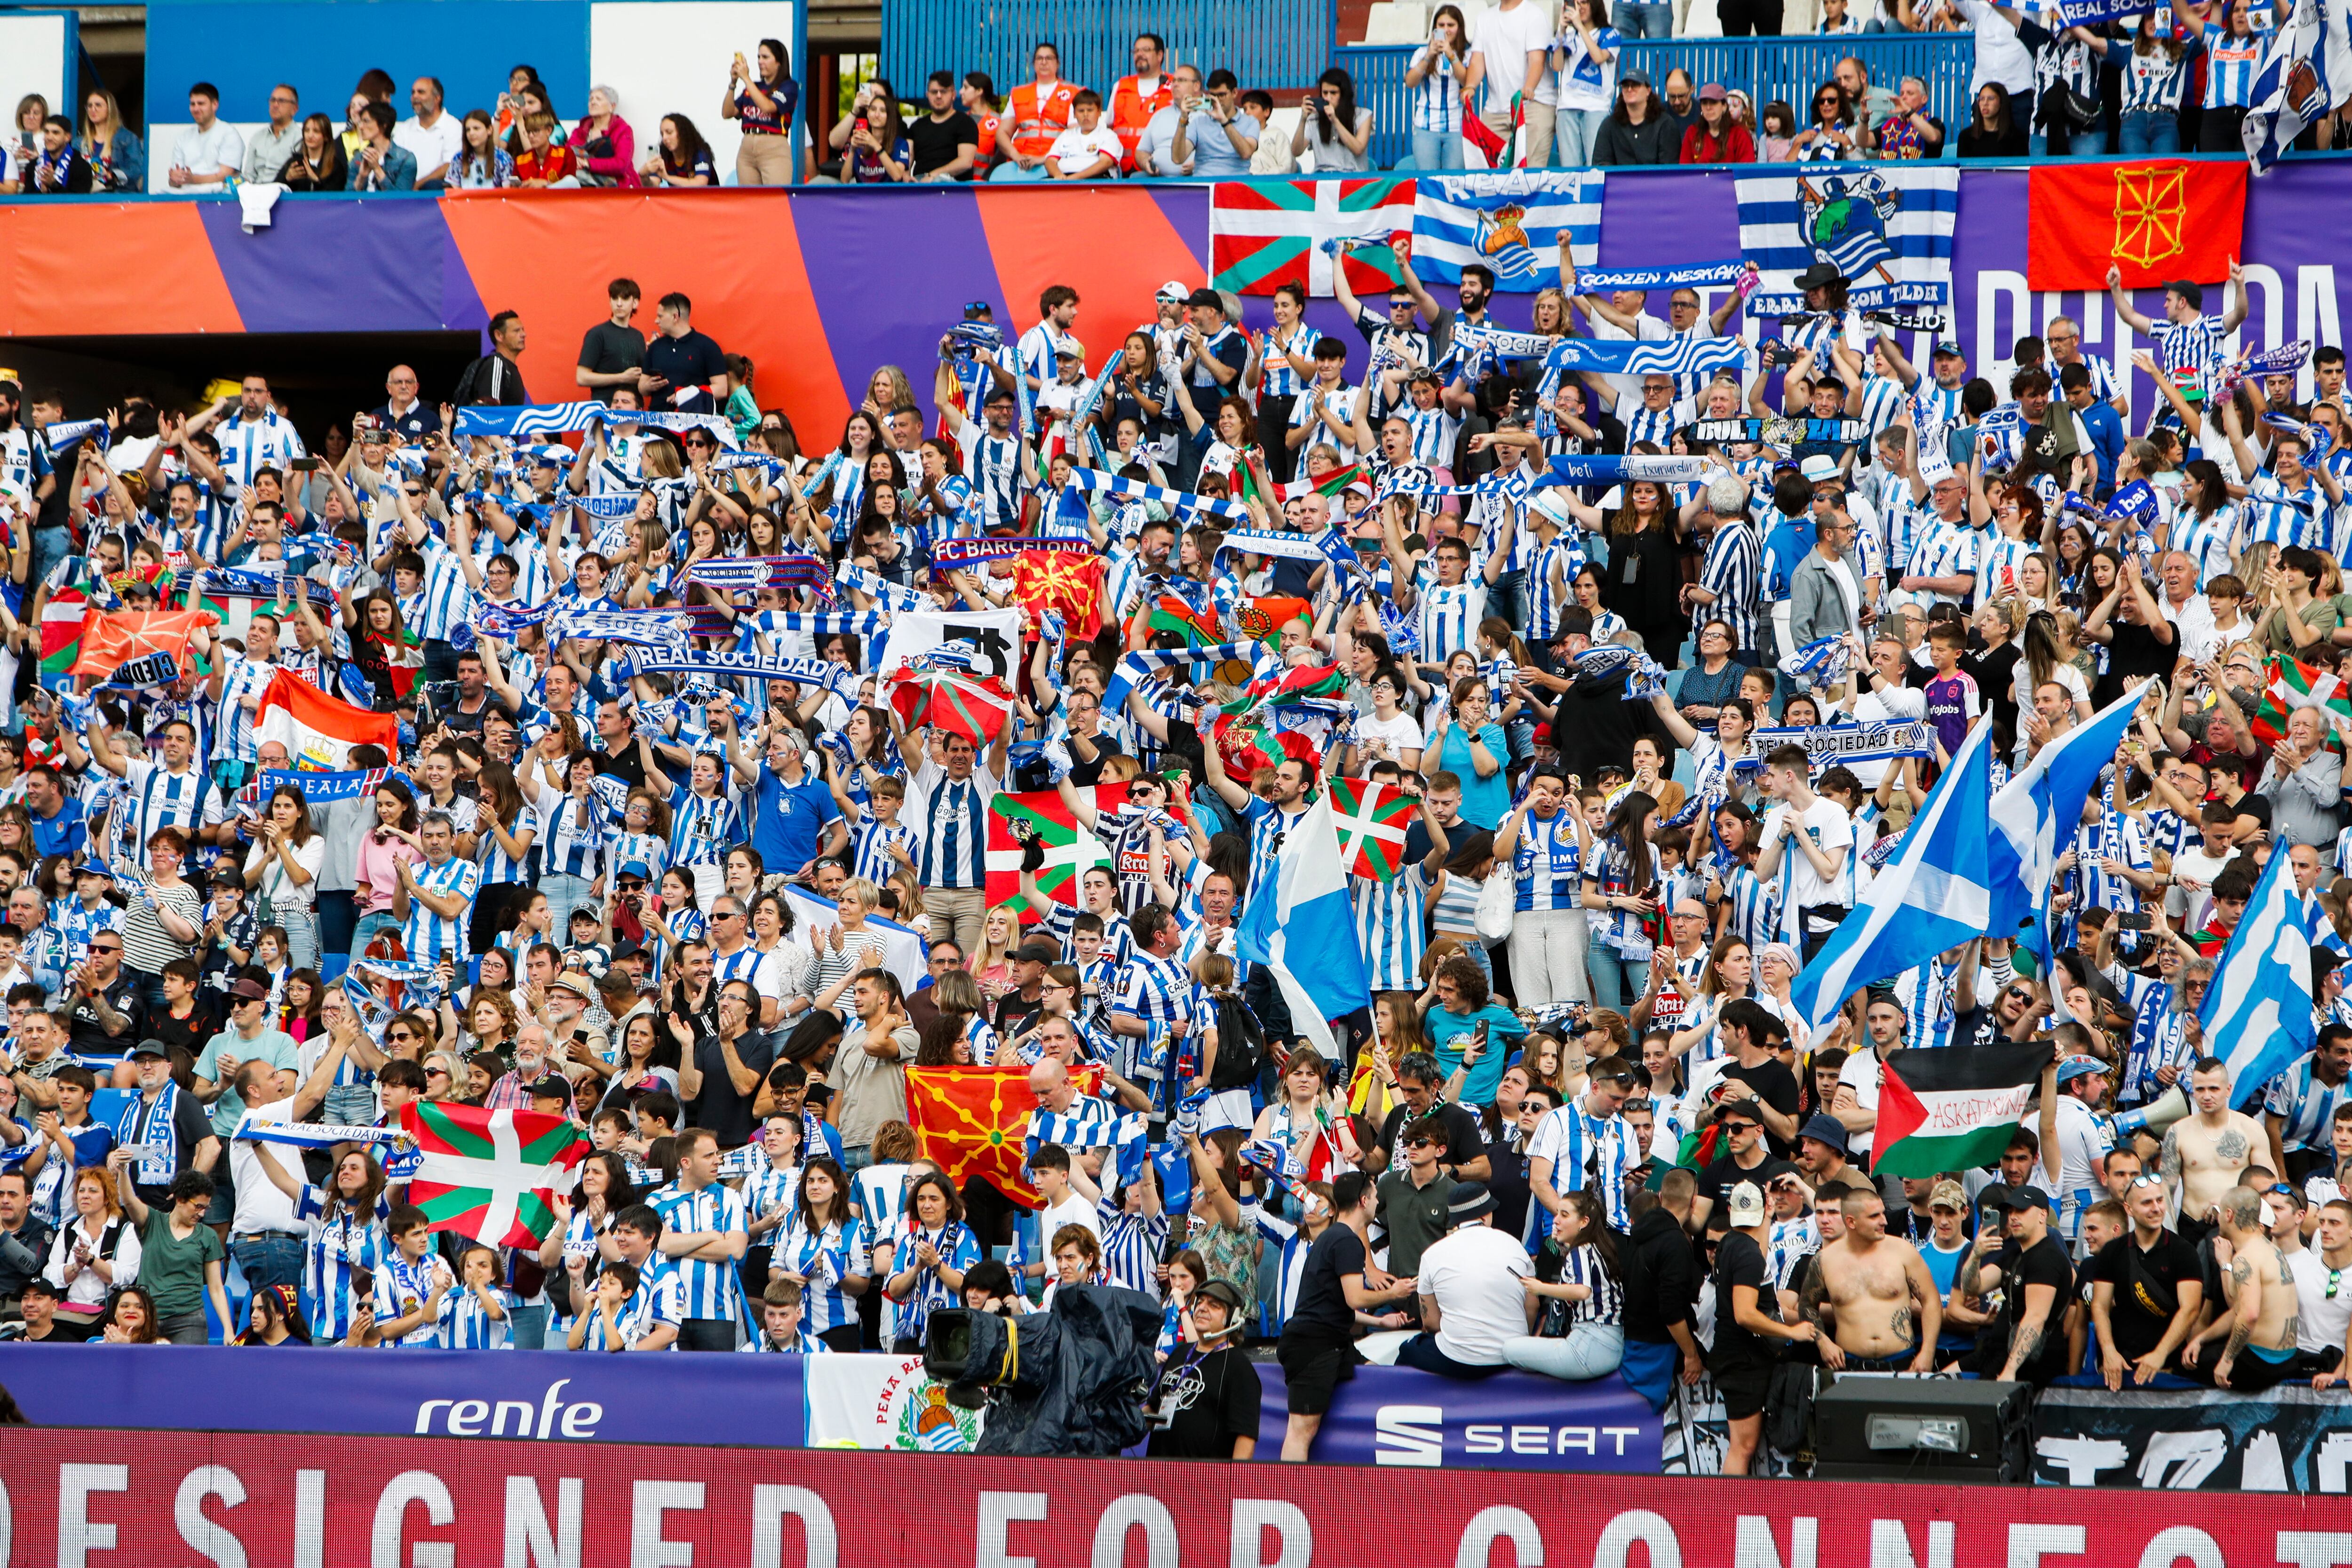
[(533, 418), (749, 574), (624, 505), (836, 623), (65, 435), (663, 628), (1643, 679), (894, 597), (1648, 279), (246, 582), (1648, 356), (1141, 489), (718, 425), (1281, 543), (493, 619), (757, 666), (1134, 667), (762, 460), (1819, 664), (1591, 469)]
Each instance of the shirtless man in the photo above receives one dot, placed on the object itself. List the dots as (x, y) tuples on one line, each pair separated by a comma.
[(2263, 1315), (2204, 1155), (1887, 1310)]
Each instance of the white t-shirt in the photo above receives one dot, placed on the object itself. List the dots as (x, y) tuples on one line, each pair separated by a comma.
[(1074, 148), (1832, 832), (1403, 733), (2321, 1322), (259, 1205), (1896, 705), (1859, 1074), (434, 145), (1071, 1210), (1474, 1273), (1505, 36)]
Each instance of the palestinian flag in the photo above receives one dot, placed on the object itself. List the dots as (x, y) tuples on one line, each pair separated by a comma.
[(1199, 628), (1070, 849), (977, 709), (1297, 685), (1372, 820), (489, 1174), (2293, 685), (1333, 484), (1952, 1109)]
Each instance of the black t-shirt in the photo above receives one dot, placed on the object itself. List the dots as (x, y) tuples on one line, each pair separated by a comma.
[(720, 1108), (89, 1035), (2133, 653), (935, 143), (1739, 1261), (690, 361), (2044, 1263), (190, 1033), (1323, 1311), (1216, 1398), (1717, 1180), (628, 767), (1465, 1140), (1014, 1012), (608, 350), (2141, 1310), (1776, 1086)]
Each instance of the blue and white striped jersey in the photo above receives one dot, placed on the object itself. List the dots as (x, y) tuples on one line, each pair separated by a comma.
[(429, 938), (248, 447), (823, 1259), (957, 1249), (1448, 617), (1587, 1152), (572, 836), (464, 1323), (950, 817), (442, 601), (703, 828), (243, 680), (1392, 927), (1549, 863), (1729, 573), (2287, 516), (1279, 379), (707, 1287), (333, 1250), (2306, 1105), (2231, 63), (401, 1288), (159, 798), (1437, 103), (2188, 351)]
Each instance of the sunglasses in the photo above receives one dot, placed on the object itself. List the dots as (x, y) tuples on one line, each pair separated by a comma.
[(2335, 1279), (106, 949), (1735, 1127), (436, 1072), (1420, 1143)]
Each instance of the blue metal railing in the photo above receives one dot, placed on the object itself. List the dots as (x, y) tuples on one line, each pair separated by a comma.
[(1764, 68), (1264, 43)]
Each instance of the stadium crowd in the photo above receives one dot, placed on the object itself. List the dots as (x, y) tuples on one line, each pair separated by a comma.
[(1580, 1126), (1530, 84)]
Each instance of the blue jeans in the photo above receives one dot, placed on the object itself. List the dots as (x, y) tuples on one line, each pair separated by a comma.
[(2146, 131), (1617, 983), (1011, 174), (1437, 150), (564, 894), (381, 919), (1646, 20), (1573, 132), (268, 1258), (527, 1328), (50, 545)]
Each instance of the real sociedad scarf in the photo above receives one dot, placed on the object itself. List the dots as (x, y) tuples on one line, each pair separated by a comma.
[(894, 596), (661, 630), (1135, 667), (605, 507), (1647, 356), (149, 1128), (1820, 663), (836, 623), (307, 1134), (1643, 679), (1699, 275), (824, 471), (65, 435), (2316, 438), (535, 418), (1281, 543), (506, 621), (1834, 745), (953, 553), (1141, 489), (1779, 432), (673, 419), (351, 783), (1596, 468), (244, 583), (767, 461), (752, 666), (750, 573)]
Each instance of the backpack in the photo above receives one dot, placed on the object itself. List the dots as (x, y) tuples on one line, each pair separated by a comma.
[(1241, 1046)]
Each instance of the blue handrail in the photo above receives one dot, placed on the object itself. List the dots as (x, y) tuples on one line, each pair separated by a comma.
[(1266, 43), (1765, 69)]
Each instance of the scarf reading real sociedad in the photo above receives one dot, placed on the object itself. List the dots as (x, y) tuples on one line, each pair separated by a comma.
[(1141, 489)]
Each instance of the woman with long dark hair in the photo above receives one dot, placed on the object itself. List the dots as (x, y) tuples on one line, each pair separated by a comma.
[(582, 1241), (1579, 1328), (1643, 575), (481, 164), (764, 99), (683, 158), (1621, 881), (1329, 124), (284, 863), (822, 1248), (346, 1219), (1990, 132), (319, 163)]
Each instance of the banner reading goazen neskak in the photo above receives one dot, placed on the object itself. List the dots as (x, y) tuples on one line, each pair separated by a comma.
[(109, 1498)]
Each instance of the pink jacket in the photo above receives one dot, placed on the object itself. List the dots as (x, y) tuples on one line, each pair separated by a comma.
[(620, 168)]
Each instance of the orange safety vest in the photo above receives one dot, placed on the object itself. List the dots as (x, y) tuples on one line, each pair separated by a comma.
[(1038, 114), (1130, 112)]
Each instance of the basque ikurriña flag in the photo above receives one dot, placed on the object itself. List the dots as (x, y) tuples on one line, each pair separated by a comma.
[(1269, 232), (491, 1175)]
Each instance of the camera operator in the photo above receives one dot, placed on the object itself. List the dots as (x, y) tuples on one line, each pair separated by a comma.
[(1207, 1403)]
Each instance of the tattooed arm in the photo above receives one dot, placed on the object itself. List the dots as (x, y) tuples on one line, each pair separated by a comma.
[(1813, 1305), (2032, 1327), (2167, 1165), (1930, 1309), (2246, 1311)]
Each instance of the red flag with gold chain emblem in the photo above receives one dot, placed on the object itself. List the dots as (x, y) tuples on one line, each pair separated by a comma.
[(1058, 580), (972, 1122), (2153, 222)]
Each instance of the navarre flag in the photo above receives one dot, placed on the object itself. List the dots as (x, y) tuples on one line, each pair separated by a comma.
[(1953, 1108), (2305, 74), (1887, 229), (974, 1121), (491, 1175), (2153, 222), (318, 731), (1371, 820), (1269, 232), (1057, 580), (1070, 849), (2291, 684), (134, 648), (1510, 223), (977, 709)]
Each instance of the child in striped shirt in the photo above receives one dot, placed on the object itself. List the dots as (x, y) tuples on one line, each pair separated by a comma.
[(780, 1313), (880, 844), (475, 1315)]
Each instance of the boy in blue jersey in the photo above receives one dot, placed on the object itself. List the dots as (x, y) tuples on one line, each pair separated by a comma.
[(779, 1314)]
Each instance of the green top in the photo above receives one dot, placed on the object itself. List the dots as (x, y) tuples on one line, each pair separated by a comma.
[(172, 1268)]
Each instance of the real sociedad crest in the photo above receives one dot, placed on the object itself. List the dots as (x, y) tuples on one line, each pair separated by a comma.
[(1502, 238)]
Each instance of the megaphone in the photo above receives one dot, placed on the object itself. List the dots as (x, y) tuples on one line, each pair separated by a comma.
[(2153, 1118)]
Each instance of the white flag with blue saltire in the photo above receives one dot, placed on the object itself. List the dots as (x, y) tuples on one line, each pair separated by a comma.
[(1509, 222), (2036, 813), (1303, 929), (1888, 229), (1930, 897), (2304, 74), (2257, 1013)]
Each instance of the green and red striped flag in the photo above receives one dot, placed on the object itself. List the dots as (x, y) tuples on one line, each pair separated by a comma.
[(1331, 484), (1372, 819), (2293, 685), (1952, 1109), (1294, 685), (491, 1175), (1070, 849)]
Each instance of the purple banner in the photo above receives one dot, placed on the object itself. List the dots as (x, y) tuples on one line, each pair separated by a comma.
[(1513, 1420)]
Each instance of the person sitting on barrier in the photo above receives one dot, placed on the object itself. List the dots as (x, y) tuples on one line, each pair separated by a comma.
[(1472, 1302), (2147, 1294), (2256, 1330), (1209, 1397), (1576, 1297)]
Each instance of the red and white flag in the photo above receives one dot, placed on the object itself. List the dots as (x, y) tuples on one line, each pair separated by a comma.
[(318, 731)]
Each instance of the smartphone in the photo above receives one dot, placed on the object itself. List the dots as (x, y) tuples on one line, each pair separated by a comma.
[(2136, 919), (304, 464)]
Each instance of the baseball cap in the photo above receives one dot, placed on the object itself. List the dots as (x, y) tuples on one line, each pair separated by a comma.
[(1820, 469), (249, 990), (1224, 1290), (2073, 1067), (1713, 93), (91, 866), (150, 1048), (636, 868), (1206, 297), (1746, 1204), (1036, 951), (1946, 347), (2028, 1198), (550, 1088), (1949, 1196), (1172, 293), (1628, 78)]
